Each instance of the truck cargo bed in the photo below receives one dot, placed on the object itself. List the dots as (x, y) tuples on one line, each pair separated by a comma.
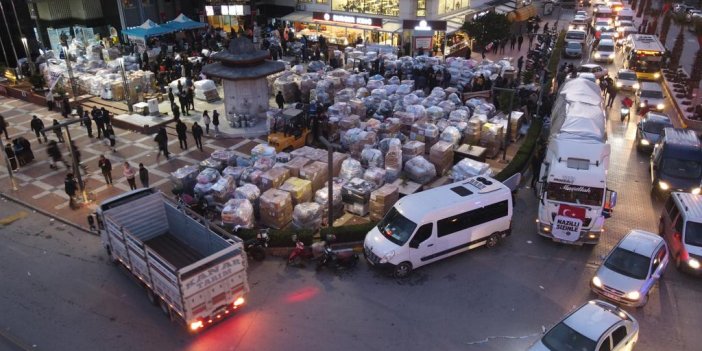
[(173, 250)]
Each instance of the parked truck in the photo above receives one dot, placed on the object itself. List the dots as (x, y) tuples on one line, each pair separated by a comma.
[(573, 196), (196, 275)]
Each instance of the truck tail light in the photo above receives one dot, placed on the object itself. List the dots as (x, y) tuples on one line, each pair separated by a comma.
[(239, 301), (196, 325)]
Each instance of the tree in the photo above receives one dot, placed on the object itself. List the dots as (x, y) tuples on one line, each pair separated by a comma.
[(642, 5), (667, 20), (487, 28), (633, 5), (677, 49)]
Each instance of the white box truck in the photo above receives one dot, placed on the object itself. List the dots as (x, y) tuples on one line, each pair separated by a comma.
[(572, 188), (195, 275)]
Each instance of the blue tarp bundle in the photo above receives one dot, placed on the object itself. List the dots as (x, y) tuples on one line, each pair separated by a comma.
[(147, 29), (182, 22)]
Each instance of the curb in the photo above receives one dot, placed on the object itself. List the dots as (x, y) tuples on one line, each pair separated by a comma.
[(46, 213)]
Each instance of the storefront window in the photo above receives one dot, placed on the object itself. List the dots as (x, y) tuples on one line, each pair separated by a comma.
[(371, 7), (421, 8), (322, 1), (304, 1), (446, 6)]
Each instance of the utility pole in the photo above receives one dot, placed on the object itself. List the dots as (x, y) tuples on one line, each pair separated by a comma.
[(509, 116), (7, 27), (9, 171), (70, 71), (75, 165)]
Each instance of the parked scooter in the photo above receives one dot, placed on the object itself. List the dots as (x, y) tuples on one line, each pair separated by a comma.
[(336, 259), (299, 254)]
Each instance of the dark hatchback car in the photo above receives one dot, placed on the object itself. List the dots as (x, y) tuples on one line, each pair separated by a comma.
[(649, 130)]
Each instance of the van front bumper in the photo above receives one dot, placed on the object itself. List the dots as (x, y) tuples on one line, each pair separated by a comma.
[(586, 236), (374, 261)]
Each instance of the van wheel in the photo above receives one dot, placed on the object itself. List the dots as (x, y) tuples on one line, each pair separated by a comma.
[(492, 240), (150, 296), (402, 270)]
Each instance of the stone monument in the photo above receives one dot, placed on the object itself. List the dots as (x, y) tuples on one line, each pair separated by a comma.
[(243, 70)]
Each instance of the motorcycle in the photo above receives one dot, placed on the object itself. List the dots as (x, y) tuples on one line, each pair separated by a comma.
[(299, 254), (624, 113), (256, 247), (336, 259)]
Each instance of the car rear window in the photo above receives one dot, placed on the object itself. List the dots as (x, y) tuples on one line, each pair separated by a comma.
[(575, 35)]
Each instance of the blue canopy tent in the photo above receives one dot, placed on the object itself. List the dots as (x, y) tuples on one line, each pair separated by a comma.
[(147, 29), (182, 22)]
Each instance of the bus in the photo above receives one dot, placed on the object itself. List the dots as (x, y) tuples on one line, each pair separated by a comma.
[(643, 54)]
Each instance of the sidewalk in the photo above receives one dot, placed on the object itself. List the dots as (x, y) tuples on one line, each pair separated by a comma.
[(41, 188)]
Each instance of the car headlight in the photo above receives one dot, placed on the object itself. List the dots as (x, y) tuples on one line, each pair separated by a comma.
[(660, 106), (663, 185), (641, 104), (597, 55), (696, 191), (645, 142), (656, 75), (635, 86), (693, 263), (619, 84), (388, 256), (596, 281), (633, 295)]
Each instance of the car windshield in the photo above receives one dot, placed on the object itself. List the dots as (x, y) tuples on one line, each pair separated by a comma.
[(578, 194), (681, 168), (628, 263), (654, 94), (627, 75), (606, 48), (693, 233), (564, 338), (655, 127), (396, 227)]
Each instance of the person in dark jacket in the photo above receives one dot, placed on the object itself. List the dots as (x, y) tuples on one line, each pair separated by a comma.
[(162, 140), (3, 127), (280, 100), (55, 155), (182, 130), (171, 97), (190, 97), (183, 101), (66, 108), (70, 186), (105, 116), (99, 122), (106, 169), (110, 135), (215, 121), (88, 123), (143, 175), (197, 135), (37, 125), (58, 132)]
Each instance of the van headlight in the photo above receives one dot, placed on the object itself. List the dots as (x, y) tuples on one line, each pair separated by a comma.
[(696, 191), (660, 106), (645, 142), (641, 104), (596, 281), (387, 257), (663, 185), (633, 295), (693, 263)]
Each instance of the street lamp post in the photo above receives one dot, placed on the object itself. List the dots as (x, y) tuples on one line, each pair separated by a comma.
[(70, 71), (126, 85), (75, 165), (12, 43), (29, 57)]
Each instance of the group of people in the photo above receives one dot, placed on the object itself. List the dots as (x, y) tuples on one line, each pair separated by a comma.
[(609, 90)]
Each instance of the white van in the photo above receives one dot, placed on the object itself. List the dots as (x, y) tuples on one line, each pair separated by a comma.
[(434, 224)]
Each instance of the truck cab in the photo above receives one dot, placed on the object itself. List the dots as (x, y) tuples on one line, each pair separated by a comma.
[(676, 163)]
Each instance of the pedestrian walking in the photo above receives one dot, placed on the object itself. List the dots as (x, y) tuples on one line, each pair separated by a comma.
[(70, 186), (280, 100), (512, 42), (545, 27), (99, 122), (50, 103), (3, 127), (190, 95), (612, 91), (88, 123), (183, 103), (520, 63), (171, 97), (520, 40), (503, 45), (37, 125), (161, 140), (215, 121), (57, 131), (105, 117), (55, 155), (182, 130), (130, 173), (111, 138), (176, 111), (197, 135), (143, 175), (206, 120), (66, 108), (106, 168)]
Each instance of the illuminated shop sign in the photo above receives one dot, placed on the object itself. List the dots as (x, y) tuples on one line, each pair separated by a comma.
[(424, 25), (348, 19)]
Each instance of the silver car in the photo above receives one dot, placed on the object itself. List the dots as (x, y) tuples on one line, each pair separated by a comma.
[(596, 325), (650, 94), (573, 50), (632, 268), (626, 80)]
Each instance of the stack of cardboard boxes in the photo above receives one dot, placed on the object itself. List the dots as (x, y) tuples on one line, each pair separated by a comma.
[(381, 200), (276, 208)]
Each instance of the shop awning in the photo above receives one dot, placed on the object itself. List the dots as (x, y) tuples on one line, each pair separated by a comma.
[(147, 29), (522, 14), (182, 22)]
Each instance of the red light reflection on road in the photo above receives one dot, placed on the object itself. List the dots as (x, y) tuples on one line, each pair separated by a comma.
[(229, 334), (303, 294)]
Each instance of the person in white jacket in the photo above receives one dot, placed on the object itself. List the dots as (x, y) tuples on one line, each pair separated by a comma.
[(130, 173)]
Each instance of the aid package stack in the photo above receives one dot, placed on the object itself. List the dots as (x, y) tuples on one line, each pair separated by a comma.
[(276, 208), (184, 178), (321, 197), (211, 163), (206, 90), (356, 195), (223, 189), (295, 164), (371, 157), (467, 168), (307, 215), (316, 172), (251, 193), (225, 157), (412, 149), (392, 149), (471, 135), (491, 138), (274, 177), (300, 189), (441, 156), (419, 170), (234, 172), (375, 175), (350, 169), (427, 133), (238, 212), (382, 199)]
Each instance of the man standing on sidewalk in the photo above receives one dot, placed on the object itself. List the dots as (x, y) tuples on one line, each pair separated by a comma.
[(215, 122), (99, 123), (162, 140), (130, 173), (70, 186), (143, 175), (512, 42), (88, 124), (181, 130), (520, 40), (106, 169), (197, 135), (37, 125)]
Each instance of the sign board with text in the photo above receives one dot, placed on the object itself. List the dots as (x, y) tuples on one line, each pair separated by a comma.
[(347, 19)]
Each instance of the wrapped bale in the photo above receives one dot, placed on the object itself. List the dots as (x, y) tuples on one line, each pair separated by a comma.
[(274, 177), (350, 169), (307, 215), (441, 156), (491, 138), (393, 159), (251, 193), (411, 149), (251, 176), (349, 122), (467, 168), (356, 195), (203, 189), (282, 157), (208, 175), (375, 175), (382, 200), (264, 163), (321, 197), (212, 163), (184, 178), (472, 132), (427, 133), (276, 208), (316, 172), (234, 172), (419, 170), (296, 164), (238, 212), (305, 151), (262, 150), (451, 135), (300, 189), (223, 188), (371, 158), (226, 157), (244, 161)]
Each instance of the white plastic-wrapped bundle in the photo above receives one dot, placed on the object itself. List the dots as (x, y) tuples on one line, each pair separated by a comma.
[(184, 177), (208, 175), (262, 150), (454, 98), (355, 81), (375, 175), (459, 115), (394, 80), (380, 93), (374, 84), (238, 212), (212, 163), (251, 175), (222, 189), (352, 136), (244, 161), (321, 196), (288, 86), (308, 82), (362, 93), (350, 169), (447, 106), (307, 215), (391, 88), (298, 69), (419, 170), (339, 109), (430, 101), (248, 191), (410, 99), (438, 92), (371, 157), (422, 131), (417, 111), (372, 125), (467, 168), (435, 113), (202, 189), (452, 135), (344, 95), (224, 156)]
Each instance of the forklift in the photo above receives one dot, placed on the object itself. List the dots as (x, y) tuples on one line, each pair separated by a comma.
[(291, 130)]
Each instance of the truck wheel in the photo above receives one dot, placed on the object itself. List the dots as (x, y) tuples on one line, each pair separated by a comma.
[(150, 296), (402, 270), (165, 309), (492, 240)]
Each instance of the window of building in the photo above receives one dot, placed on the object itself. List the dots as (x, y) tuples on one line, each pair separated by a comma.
[(446, 6), (421, 8), (369, 7)]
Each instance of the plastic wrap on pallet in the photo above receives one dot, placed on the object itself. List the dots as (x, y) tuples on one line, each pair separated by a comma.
[(355, 195), (282, 157), (203, 189), (185, 177), (251, 175), (226, 157), (211, 163), (418, 111), (421, 131), (419, 170), (452, 135), (264, 163), (376, 175), (288, 87), (467, 168), (339, 109), (379, 93), (435, 113), (355, 81), (262, 150), (412, 149), (276, 208), (362, 93), (316, 172), (374, 84), (351, 168), (447, 106), (321, 196), (208, 175), (298, 69), (238, 212), (299, 189), (410, 99), (460, 115), (274, 177), (249, 192), (296, 164), (373, 125), (371, 157), (344, 95), (391, 88), (307, 215)]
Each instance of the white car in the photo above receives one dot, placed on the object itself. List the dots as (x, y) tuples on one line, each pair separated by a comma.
[(594, 326), (631, 269), (604, 52), (626, 80), (597, 70)]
